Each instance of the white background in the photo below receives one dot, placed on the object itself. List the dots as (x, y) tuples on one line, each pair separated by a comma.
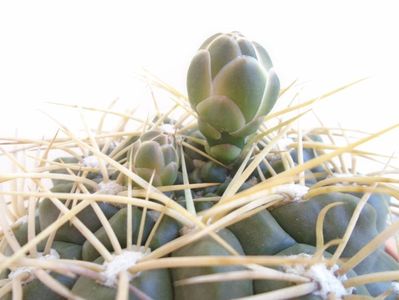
[(90, 52)]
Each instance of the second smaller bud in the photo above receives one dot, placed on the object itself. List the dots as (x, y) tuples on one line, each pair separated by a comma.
[(155, 151)]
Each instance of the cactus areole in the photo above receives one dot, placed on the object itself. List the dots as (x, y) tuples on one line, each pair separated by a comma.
[(231, 85)]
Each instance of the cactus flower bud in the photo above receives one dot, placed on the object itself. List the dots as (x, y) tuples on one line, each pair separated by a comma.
[(231, 85), (155, 151)]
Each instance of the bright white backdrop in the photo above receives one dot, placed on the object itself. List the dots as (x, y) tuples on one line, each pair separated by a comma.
[(90, 52)]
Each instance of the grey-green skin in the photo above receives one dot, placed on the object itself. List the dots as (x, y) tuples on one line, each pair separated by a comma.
[(49, 213), (156, 284), (199, 205), (380, 202), (21, 232), (118, 224), (278, 231), (209, 172), (309, 154), (282, 228), (168, 229), (203, 205), (278, 167), (95, 176), (298, 219), (231, 85), (318, 172), (220, 189), (263, 286), (191, 155), (312, 175), (121, 152), (213, 290), (35, 289), (260, 234)]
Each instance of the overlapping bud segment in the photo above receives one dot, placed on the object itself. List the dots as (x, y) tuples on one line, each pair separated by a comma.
[(231, 85), (155, 151)]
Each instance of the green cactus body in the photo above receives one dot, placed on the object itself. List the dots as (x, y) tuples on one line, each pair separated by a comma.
[(281, 230), (261, 235), (380, 202), (191, 154), (203, 205), (378, 261), (278, 167), (35, 289), (299, 220), (63, 160), (314, 174), (309, 154), (167, 231), (48, 213), (96, 176), (213, 290), (263, 286), (21, 232), (276, 164), (156, 284), (118, 224), (210, 172), (231, 85)]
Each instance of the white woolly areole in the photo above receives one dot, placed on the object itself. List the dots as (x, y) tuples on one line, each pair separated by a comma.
[(395, 287), (22, 220), (168, 128), (293, 191), (282, 144), (154, 215), (109, 188), (90, 161), (120, 263), (53, 255), (342, 175), (324, 277)]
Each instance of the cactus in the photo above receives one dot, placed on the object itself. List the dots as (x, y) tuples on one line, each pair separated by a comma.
[(196, 214)]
